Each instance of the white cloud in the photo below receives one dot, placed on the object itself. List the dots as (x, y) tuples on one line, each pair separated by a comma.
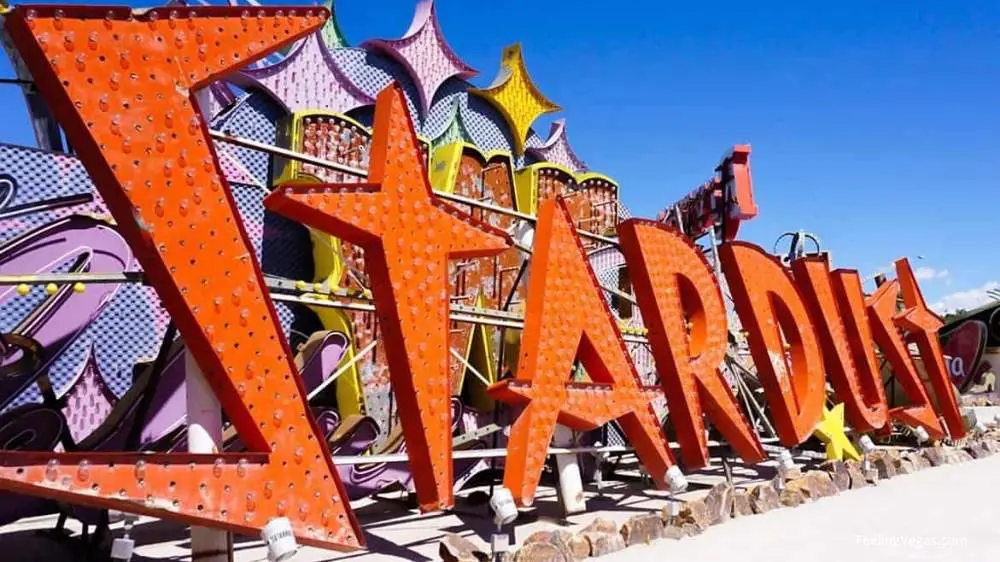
[(968, 300), (925, 273)]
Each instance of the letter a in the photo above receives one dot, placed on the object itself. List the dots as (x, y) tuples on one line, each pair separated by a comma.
[(566, 318), (674, 284), (766, 298)]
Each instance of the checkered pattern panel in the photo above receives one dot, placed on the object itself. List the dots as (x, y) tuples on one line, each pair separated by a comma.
[(282, 247), (443, 106), (483, 122), (38, 176), (624, 213), (130, 327), (254, 117), (372, 73)]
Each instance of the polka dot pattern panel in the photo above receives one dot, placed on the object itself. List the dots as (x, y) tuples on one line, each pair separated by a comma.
[(255, 116)]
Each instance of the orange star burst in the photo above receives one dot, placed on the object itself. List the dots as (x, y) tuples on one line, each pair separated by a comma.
[(408, 236)]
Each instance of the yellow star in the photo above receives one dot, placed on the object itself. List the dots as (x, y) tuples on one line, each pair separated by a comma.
[(830, 430), (516, 96)]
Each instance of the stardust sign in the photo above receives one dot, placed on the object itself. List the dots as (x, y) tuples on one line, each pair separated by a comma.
[(125, 101)]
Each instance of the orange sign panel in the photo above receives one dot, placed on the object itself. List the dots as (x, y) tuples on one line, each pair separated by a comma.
[(121, 85), (567, 318), (922, 325), (881, 306), (838, 309), (781, 337), (682, 307), (408, 235)]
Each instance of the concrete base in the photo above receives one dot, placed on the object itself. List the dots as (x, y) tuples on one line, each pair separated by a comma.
[(985, 414)]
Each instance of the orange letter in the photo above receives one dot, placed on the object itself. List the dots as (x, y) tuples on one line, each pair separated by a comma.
[(120, 84), (567, 318), (407, 235), (837, 307), (674, 284), (881, 311), (766, 298), (922, 325)]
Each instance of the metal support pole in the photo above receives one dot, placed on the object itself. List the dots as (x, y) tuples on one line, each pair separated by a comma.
[(745, 389), (570, 482), (715, 255), (343, 369), (496, 453), (204, 417), (727, 468), (482, 378), (743, 396)]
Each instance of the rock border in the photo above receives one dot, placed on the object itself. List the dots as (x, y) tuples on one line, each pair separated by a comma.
[(724, 501)]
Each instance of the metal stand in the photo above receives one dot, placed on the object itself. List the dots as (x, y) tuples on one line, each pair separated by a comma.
[(673, 508), (727, 468), (500, 543), (570, 483), (204, 416), (122, 548)]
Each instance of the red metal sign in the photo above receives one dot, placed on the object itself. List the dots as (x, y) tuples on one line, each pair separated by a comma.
[(567, 319), (408, 236), (121, 85), (682, 307), (120, 82)]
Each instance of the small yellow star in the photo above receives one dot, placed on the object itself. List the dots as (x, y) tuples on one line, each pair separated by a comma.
[(830, 430), (516, 96)]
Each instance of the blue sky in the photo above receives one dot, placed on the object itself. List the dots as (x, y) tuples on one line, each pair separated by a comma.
[(873, 124)]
